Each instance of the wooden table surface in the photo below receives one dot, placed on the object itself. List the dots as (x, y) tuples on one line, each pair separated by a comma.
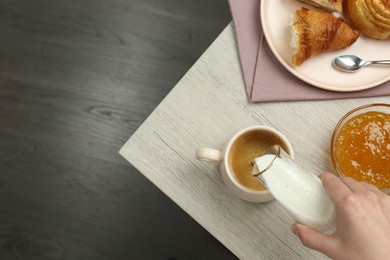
[(204, 109)]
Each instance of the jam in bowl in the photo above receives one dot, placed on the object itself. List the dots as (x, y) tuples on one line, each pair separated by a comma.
[(360, 145)]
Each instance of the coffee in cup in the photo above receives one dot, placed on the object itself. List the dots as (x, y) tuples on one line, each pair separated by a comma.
[(245, 150), (237, 160)]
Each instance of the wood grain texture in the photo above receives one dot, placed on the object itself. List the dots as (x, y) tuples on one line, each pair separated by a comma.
[(206, 108), (76, 78)]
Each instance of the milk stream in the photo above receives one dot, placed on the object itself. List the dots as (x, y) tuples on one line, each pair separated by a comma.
[(300, 193)]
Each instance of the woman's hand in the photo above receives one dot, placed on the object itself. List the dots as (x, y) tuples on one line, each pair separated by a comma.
[(363, 222)]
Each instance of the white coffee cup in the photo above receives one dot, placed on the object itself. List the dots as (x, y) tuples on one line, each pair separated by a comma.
[(218, 156)]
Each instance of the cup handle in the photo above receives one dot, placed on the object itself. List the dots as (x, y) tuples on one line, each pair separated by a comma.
[(209, 155)]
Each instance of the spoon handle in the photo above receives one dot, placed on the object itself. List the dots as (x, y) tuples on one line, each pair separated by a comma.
[(381, 62)]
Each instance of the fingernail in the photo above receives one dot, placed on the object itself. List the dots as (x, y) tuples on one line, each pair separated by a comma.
[(295, 230)]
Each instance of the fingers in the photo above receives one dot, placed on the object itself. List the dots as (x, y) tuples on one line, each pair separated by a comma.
[(355, 186), (335, 187), (313, 239), (373, 188), (338, 188)]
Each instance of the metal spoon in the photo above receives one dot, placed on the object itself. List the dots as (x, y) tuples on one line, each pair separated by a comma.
[(351, 63)]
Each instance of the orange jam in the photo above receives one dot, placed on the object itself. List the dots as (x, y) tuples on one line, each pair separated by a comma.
[(363, 148)]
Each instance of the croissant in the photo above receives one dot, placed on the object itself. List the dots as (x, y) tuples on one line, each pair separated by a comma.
[(372, 17), (315, 32), (327, 5)]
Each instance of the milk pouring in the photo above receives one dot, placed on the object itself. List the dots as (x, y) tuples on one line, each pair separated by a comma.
[(301, 193)]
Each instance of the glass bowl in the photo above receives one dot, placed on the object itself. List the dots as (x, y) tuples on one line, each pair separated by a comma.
[(384, 108)]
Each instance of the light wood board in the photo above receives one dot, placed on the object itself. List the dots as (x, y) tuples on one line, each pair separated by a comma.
[(205, 109)]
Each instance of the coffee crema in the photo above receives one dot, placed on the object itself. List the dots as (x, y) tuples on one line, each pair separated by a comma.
[(243, 153)]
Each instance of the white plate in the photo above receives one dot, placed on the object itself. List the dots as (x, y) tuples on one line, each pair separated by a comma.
[(318, 71)]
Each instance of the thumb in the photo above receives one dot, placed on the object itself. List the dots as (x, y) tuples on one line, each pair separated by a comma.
[(313, 239)]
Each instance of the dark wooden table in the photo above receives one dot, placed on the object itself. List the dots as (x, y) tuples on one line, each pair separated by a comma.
[(77, 77)]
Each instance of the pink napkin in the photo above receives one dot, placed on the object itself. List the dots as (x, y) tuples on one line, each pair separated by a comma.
[(265, 78)]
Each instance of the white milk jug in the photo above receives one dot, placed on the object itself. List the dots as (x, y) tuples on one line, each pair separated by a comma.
[(300, 193)]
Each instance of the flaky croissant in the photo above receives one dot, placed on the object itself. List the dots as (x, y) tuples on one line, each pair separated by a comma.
[(316, 32), (372, 17)]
